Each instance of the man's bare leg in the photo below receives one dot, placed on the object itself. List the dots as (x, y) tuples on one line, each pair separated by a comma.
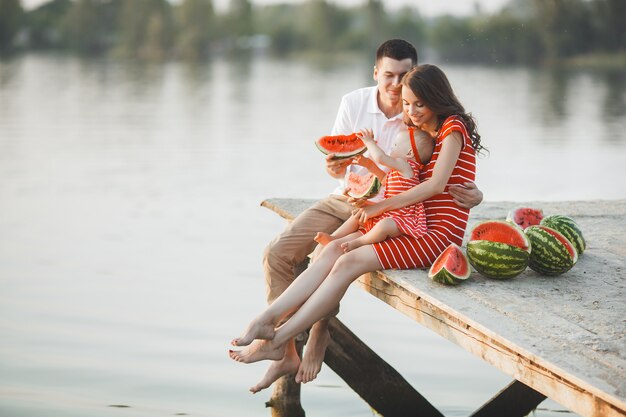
[(287, 365), (319, 338)]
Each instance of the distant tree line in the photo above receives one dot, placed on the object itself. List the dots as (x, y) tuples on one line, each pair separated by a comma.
[(525, 31)]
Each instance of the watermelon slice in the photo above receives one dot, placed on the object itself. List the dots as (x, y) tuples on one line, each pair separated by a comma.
[(451, 267), (362, 186), (342, 146)]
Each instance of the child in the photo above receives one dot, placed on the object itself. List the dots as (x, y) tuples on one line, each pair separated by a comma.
[(405, 162)]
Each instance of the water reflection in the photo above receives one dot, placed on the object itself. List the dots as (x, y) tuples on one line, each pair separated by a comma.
[(614, 103)]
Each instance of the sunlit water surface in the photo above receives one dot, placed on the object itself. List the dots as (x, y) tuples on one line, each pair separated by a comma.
[(131, 233)]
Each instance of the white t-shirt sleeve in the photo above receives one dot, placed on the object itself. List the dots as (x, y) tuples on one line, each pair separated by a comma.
[(343, 123)]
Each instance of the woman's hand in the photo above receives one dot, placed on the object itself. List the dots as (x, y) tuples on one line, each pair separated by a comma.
[(365, 213), (466, 196)]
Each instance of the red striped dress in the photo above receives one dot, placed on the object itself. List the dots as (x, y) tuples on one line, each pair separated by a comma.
[(445, 220), (411, 220)]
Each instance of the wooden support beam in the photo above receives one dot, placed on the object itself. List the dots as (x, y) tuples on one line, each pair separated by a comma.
[(516, 400), (380, 385)]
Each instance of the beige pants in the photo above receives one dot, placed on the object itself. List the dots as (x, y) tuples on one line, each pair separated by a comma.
[(291, 248)]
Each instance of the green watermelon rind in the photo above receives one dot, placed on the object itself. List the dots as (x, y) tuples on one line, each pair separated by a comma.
[(497, 260), (568, 228), (373, 189), (341, 155), (443, 276), (549, 255)]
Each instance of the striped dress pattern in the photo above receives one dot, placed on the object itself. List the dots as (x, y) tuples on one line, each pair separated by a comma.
[(411, 220), (446, 221)]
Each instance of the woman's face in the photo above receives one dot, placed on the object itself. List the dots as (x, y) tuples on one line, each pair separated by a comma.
[(421, 116)]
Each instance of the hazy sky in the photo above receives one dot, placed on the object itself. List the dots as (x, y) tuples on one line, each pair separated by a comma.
[(426, 7)]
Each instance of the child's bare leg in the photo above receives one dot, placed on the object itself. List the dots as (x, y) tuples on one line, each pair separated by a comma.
[(262, 327), (385, 228), (349, 226)]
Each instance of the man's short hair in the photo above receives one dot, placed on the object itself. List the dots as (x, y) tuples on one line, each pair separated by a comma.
[(397, 49)]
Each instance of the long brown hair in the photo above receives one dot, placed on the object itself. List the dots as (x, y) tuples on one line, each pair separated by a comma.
[(432, 87)]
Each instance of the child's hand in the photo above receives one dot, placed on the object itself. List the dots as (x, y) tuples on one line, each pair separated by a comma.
[(363, 161), (366, 135)]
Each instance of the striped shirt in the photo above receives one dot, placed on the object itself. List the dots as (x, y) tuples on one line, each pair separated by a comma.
[(446, 221), (411, 219)]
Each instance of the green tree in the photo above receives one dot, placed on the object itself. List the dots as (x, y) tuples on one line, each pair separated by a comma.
[(146, 29), (11, 13), (82, 27), (197, 22), (408, 24), (44, 24), (240, 18), (610, 17), (564, 27), (323, 24), (377, 23)]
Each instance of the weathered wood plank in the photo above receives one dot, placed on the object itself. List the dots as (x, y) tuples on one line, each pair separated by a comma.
[(516, 400), (563, 336), (379, 384)]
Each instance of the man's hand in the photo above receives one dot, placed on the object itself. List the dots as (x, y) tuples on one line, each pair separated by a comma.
[(337, 167), (466, 196)]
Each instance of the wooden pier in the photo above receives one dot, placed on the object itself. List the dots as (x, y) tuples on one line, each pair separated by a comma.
[(560, 337)]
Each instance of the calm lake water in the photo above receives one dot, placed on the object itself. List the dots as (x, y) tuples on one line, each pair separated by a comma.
[(131, 233)]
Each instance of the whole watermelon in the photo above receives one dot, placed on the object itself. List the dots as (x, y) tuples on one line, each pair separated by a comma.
[(568, 228), (552, 253)]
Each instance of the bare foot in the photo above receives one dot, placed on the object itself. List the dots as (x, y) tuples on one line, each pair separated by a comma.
[(314, 353), (256, 330), (287, 365), (351, 245), (258, 350), (323, 238)]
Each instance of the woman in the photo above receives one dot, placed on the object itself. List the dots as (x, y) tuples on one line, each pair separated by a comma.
[(430, 105)]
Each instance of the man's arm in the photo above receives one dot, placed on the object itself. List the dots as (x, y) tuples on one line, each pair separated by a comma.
[(343, 126), (468, 196)]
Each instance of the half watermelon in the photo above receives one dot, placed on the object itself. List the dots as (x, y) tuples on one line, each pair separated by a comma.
[(342, 146), (451, 267)]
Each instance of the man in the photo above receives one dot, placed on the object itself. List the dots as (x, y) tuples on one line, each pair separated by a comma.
[(378, 108)]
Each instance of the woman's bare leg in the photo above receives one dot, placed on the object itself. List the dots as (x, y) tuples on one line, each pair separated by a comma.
[(385, 228), (289, 364), (296, 294), (348, 227), (319, 304)]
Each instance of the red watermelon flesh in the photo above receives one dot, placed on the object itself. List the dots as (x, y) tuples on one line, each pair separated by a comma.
[(342, 146), (525, 216), (453, 260), (562, 239), (500, 231), (362, 186)]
